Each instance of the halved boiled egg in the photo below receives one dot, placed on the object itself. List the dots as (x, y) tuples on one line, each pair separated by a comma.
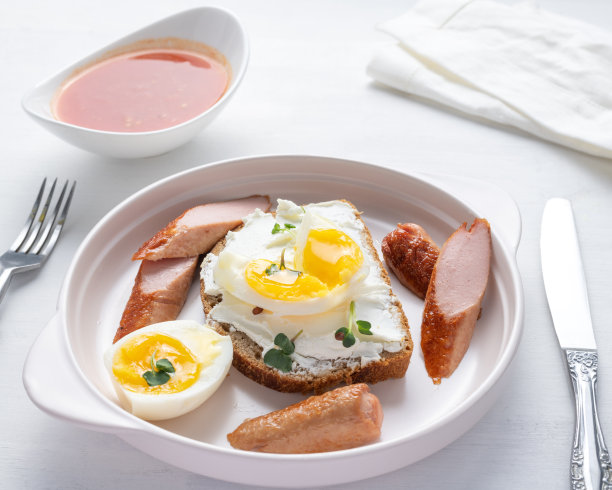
[(314, 271), (168, 369)]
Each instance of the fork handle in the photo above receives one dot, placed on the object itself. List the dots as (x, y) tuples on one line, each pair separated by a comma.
[(5, 278), (590, 468)]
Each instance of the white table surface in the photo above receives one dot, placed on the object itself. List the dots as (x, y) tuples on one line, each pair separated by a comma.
[(306, 91)]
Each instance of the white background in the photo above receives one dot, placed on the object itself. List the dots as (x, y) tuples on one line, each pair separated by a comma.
[(305, 91)]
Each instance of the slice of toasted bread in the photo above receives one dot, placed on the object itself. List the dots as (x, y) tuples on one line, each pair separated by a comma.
[(248, 355)]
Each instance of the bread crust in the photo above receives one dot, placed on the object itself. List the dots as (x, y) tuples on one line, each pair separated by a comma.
[(248, 357)]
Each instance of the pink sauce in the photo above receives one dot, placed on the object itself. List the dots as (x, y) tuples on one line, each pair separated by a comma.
[(143, 90)]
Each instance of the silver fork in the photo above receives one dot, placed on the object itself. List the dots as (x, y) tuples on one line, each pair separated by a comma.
[(37, 238)]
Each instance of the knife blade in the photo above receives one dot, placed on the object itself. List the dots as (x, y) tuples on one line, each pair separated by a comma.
[(564, 277), (566, 292)]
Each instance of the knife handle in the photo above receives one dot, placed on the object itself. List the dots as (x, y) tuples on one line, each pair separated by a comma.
[(591, 468)]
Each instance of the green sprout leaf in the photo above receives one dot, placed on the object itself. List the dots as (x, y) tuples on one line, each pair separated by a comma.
[(276, 358), (364, 327), (165, 365), (273, 269), (277, 228), (158, 375), (348, 340), (346, 335), (281, 358), (156, 378), (286, 345)]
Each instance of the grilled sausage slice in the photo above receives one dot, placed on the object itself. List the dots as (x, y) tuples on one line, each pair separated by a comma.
[(198, 229), (346, 417), (411, 254), (159, 292), (453, 300)]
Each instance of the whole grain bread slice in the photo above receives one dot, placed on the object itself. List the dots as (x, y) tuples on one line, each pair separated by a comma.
[(248, 355)]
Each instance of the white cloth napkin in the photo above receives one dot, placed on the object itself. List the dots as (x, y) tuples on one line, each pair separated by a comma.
[(516, 65)]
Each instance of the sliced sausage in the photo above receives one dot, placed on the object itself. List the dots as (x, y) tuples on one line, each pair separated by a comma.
[(453, 300), (198, 229), (346, 417), (410, 253), (159, 292)]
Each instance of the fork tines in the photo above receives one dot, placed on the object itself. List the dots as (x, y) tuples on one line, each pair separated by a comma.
[(41, 230)]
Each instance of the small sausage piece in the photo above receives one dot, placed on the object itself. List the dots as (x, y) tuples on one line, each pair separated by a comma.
[(198, 229), (159, 292), (411, 254), (346, 417), (453, 300)]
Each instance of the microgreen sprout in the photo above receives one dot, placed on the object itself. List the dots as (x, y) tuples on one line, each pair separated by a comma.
[(277, 228), (279, 357), (347, 334), (274, 268), (159, 373)]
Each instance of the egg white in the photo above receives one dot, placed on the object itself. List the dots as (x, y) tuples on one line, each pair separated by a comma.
[(160, 406), (316, 342), (229, 270)]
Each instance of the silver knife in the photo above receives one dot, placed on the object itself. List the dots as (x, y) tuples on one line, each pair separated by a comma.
[(569, 306)]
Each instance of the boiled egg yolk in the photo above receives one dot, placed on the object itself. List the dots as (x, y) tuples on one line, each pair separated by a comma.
[(331, 255), (134, 358), (283, 284), (329, 259)]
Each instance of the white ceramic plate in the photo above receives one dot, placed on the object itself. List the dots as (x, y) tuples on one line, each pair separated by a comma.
[(419, 418)]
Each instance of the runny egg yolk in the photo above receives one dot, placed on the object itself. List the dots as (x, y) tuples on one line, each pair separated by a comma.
[(331, 255), (133, 359), (329, 259), (285, 284)]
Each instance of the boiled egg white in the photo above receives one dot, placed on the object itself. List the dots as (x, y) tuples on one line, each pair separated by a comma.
[(315, 269), (199, 356), (325, 240)]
